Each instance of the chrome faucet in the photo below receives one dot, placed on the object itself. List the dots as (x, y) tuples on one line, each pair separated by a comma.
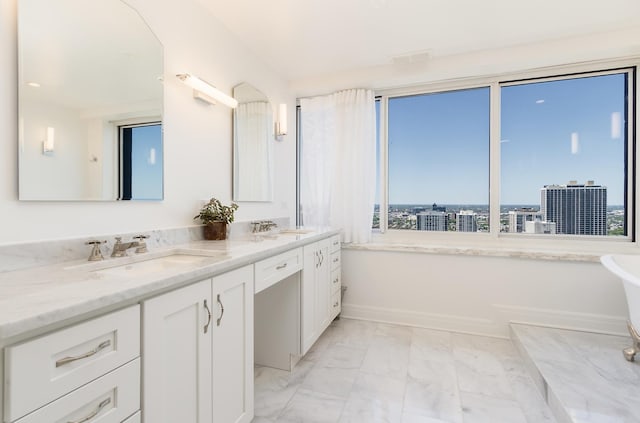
[(142, 245), (262, 226), (260, 229), (96, 254), (120, 248)]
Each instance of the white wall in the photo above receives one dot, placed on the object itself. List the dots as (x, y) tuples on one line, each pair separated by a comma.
[(593, 47), (197, 138), (480, 294)]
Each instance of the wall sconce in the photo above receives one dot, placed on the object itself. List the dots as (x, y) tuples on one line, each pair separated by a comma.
[(281, 123), (206, 92), (47, 144)]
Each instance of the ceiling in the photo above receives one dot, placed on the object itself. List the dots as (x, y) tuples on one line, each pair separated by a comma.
[(306, 38)]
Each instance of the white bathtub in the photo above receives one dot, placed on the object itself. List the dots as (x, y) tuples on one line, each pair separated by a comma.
[(627, 268)]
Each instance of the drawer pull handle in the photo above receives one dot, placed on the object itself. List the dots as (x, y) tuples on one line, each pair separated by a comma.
[(282, 266), (337, 303), (335, 260), (321, 258), (94, 413), (336, 280), (94, 351), (206, 307), (221, 311)]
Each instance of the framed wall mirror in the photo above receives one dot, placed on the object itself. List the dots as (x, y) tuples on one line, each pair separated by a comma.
[(252, 145), (89, 102)]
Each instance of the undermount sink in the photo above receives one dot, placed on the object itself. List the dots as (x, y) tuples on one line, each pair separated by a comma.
[(297, 231), (160, 264), (151, 263)]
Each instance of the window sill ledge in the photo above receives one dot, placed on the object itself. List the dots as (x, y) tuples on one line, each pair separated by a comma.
[(487, 245), (593, 257)]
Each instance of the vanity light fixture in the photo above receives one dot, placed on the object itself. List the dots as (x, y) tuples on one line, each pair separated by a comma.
[(47, 144), (281, 124), (206, 92)]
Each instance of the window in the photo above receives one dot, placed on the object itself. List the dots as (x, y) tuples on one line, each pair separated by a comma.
[(560, 162), (563, 148), (438, 154), (141, 161)]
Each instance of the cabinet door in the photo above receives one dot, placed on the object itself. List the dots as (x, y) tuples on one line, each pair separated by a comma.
[(323, 287), (308, 327), (177, 356), (315, 293), (232, 330)]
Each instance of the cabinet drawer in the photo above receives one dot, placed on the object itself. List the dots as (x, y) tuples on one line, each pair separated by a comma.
[(136, 418), (336, 281), (109, 399), (335, 260), (336, 304), (42, 369), (276, 268), (334, 243)]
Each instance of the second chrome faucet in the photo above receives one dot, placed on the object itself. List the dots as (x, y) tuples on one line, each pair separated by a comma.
[(120, 248)]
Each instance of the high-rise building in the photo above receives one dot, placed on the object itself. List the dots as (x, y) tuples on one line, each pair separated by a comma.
[(436, 207), (518, 217), (575, 208), (539, 227), (467, 221), (432, 221)]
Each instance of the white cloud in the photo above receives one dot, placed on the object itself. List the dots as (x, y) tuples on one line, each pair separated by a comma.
[(616, 125), (575, 143)]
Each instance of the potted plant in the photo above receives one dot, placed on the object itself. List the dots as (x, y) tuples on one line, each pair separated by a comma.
[(215, 216)]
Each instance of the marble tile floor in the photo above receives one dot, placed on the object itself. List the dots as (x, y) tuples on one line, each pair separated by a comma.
[(583, 375), (361, 371)]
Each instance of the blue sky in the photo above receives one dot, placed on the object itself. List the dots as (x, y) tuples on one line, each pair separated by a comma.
[(146, 165), (552, 132)]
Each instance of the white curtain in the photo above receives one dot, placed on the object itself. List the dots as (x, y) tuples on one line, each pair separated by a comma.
[(338, 162), (253, 143)]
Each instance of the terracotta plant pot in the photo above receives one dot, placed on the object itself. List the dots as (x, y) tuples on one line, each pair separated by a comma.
[(215, 231)]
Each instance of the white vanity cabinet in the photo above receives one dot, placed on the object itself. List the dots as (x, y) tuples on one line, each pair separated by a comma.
[(315, 292), (84, 372), (183, 355), (198, 352), (335, 302)]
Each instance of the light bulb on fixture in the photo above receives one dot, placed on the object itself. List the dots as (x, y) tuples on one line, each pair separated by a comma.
[(48, 143), (204, 91), (281, 124)]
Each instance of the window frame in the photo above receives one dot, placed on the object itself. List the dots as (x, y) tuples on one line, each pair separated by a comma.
[(520, 241), (124, 175)]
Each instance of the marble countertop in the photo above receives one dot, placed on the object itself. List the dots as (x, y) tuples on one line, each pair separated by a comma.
[(38, 297), (593, 257)]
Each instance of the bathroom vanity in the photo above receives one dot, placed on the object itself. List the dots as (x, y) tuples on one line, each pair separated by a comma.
[(164, 336)]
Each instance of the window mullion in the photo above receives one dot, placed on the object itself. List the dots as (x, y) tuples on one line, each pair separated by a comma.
[(384, 165), (633, 157), (494, 160)]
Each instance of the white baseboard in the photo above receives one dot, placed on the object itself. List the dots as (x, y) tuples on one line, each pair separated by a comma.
[(585, 322), (451, 323), (497, 327)]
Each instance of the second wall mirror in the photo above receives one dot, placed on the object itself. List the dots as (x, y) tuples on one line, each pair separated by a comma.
[(252, 145)]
